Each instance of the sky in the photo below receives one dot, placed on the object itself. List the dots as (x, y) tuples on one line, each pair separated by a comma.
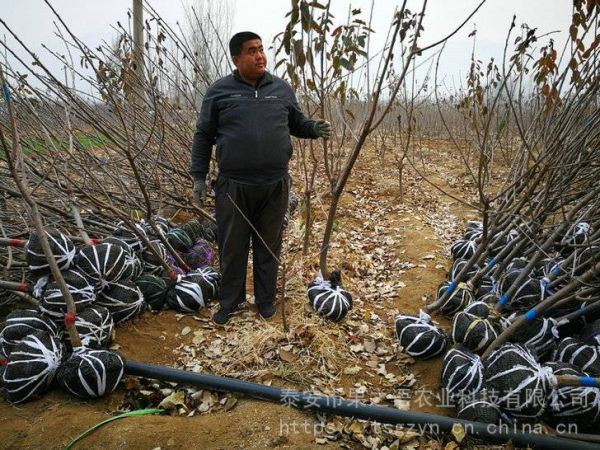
[(91, 20)]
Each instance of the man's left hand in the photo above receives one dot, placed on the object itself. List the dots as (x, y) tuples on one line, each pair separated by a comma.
[(322, 129)]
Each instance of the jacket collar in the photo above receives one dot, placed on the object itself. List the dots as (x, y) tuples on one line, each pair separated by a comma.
[(267, 78)]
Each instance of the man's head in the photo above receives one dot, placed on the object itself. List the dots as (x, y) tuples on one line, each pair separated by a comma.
[(248, 55)]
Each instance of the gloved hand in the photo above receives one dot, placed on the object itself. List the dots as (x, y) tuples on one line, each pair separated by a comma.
[(322, 128), (199, 192)]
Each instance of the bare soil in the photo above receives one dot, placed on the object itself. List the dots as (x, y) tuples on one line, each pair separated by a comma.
[(415, 234)]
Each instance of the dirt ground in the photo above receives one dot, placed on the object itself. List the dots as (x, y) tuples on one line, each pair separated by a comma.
[(414, 234)]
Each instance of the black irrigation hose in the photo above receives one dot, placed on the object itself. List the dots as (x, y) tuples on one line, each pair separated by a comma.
[(341, 407)]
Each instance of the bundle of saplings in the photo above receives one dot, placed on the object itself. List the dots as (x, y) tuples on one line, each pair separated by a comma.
[(459, 297), (328, 297), (208, 279), (152, 264)]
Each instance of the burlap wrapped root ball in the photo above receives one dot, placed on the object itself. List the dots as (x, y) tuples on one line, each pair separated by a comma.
[(186, 296), (519, 383), (154, 290), (583, 356), (124, 300), (103, 263), (95, 326), (473, 332), (152, 263), (61, 247), (91, 373), (53, 301), (328, 298), (32, 367), (419, 337), (208, 279), (573, 404), (462, 374), (21, 323), (460, 297)]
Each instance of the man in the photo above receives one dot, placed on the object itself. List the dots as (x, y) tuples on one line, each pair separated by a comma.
[(250, 115)]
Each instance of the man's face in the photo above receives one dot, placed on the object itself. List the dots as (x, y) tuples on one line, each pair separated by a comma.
[(251, 62)]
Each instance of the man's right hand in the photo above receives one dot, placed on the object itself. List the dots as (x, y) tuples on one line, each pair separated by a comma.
[(199, 192)]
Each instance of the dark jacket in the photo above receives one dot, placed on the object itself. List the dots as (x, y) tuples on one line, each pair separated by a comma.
[(251, 127)]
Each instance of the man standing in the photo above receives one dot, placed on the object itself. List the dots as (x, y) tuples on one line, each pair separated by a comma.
[(249, 115)]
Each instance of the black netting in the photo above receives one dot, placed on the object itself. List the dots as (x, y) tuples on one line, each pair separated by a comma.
[(32, 367), (124, 300), (479, 309), (208, 279), (186, 296), (179, 239), (480, 409), (152, 264), (21, 323), (540, 334), (95, 326), (154, 289), (520, 383), (585, 357), (573, 404), (463, 249), (61, 247), (200, 255), (457, 300), (459, 265), (91, 373), (102, 263), (328, 297), (419, 336), (473, 332), (53, 301), (462, 373)]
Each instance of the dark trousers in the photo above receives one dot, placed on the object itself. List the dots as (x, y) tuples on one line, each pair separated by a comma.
[(264, 207)]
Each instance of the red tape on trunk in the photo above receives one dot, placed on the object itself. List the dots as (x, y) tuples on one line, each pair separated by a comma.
[(69, 319), (16, 243), (23, 287)]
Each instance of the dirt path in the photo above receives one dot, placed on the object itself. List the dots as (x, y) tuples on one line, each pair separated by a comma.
[(393, 257)]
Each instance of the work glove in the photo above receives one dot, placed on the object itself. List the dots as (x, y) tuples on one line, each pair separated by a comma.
[(322, 128), (199, 192)]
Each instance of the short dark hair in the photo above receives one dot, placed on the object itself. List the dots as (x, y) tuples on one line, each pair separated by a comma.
[(237, 41)]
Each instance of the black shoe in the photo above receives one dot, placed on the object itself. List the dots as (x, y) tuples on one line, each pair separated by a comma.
[(266, 310), (222, 316)]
